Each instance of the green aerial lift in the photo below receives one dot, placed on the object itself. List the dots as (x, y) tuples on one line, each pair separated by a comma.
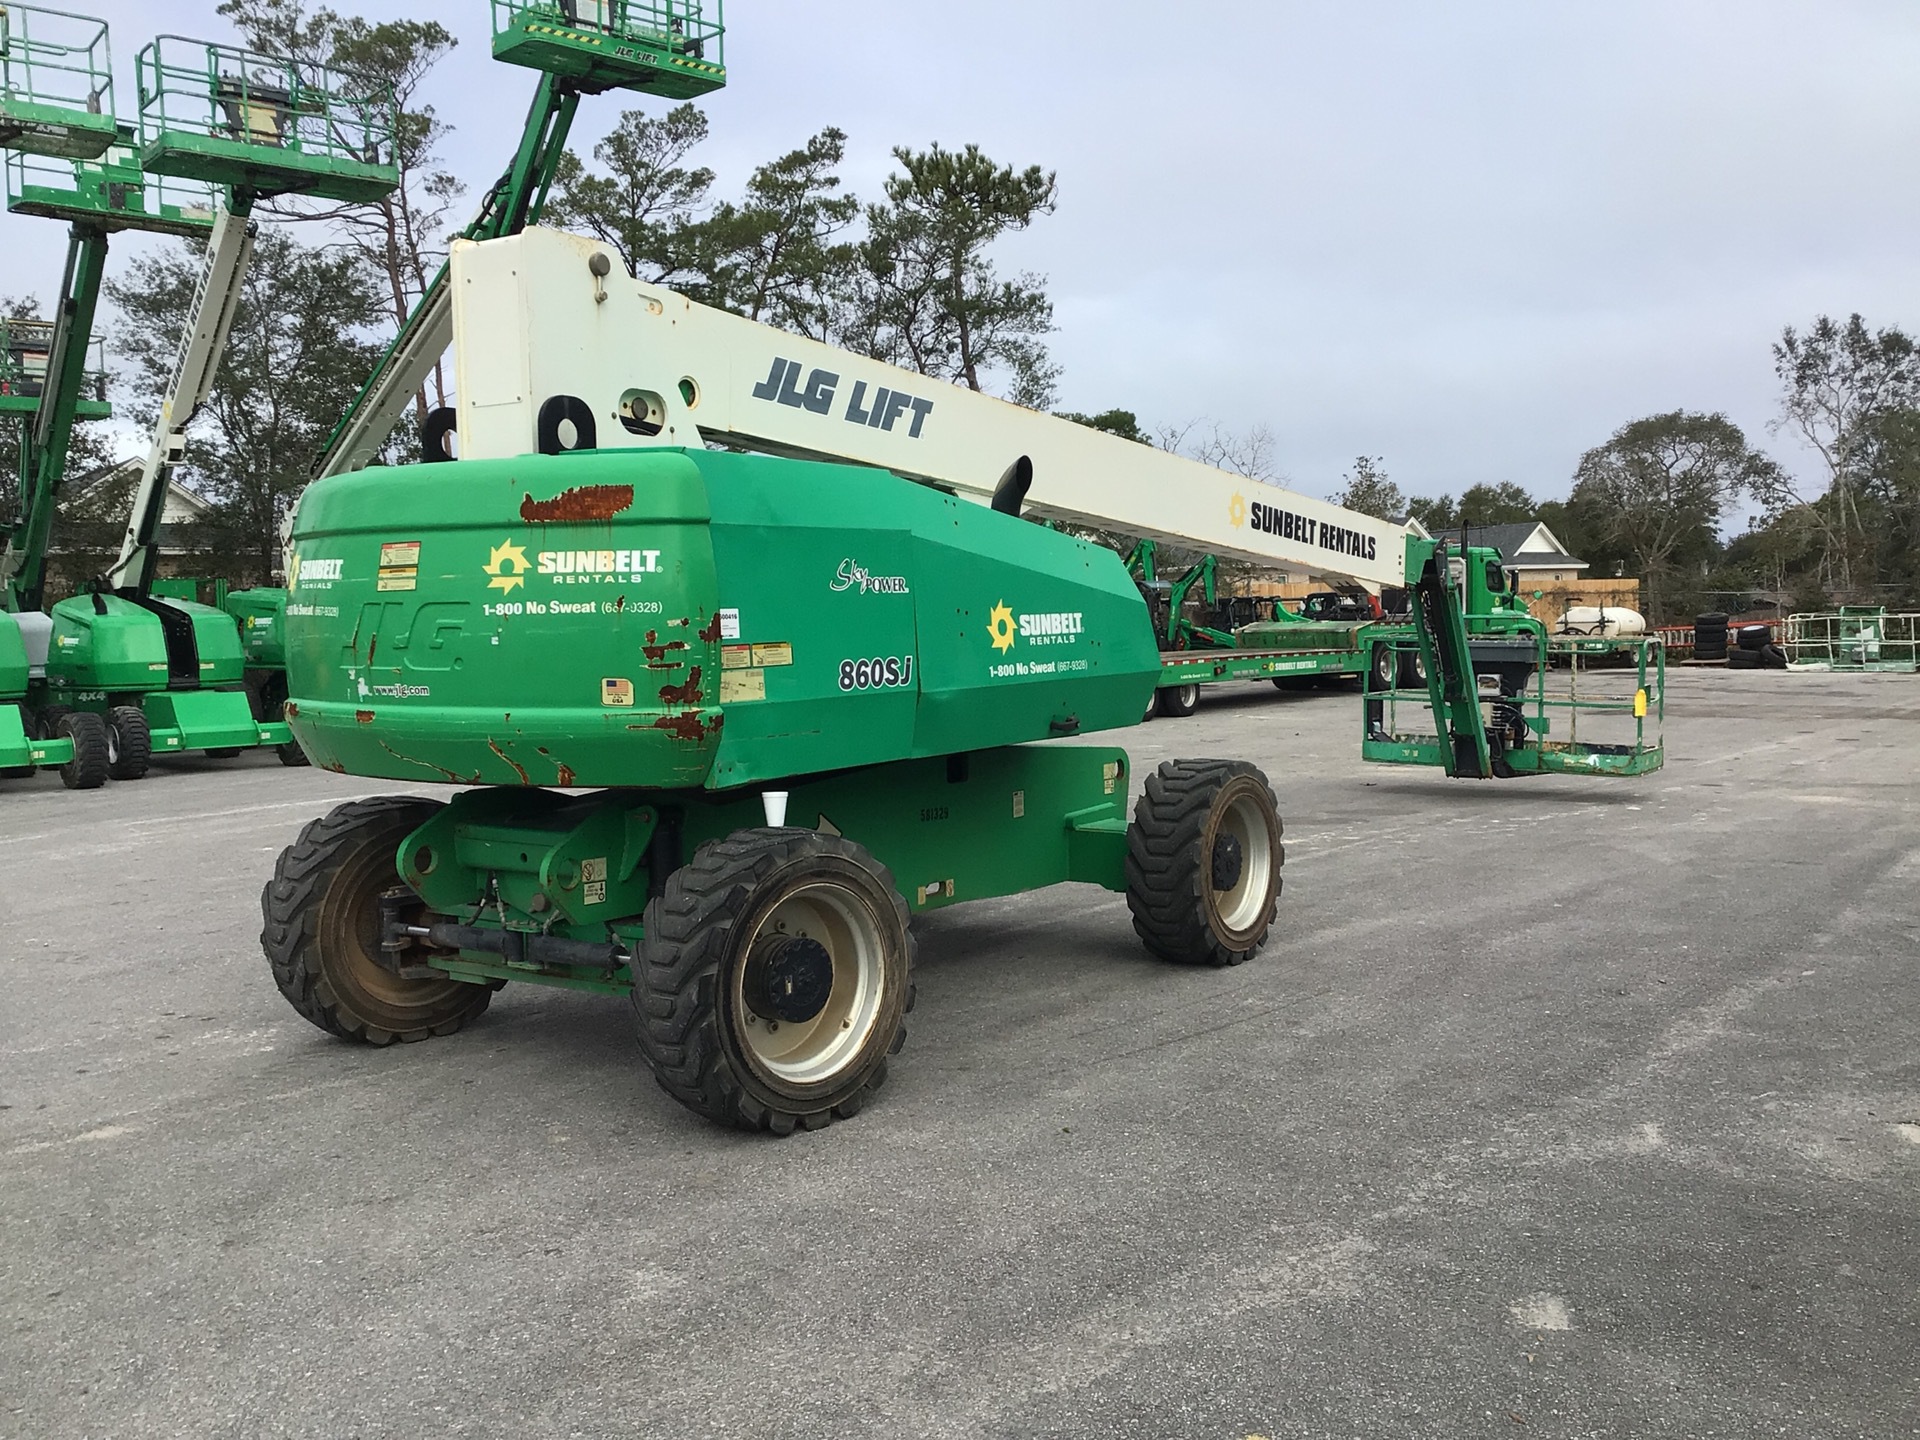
[(720, 724), (56, 114), (157, 673), (1479, 703)]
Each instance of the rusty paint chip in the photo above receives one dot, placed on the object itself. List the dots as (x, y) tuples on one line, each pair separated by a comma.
[(365, 717), (689, 727), (687, 694), (518, 768), (583, 502)]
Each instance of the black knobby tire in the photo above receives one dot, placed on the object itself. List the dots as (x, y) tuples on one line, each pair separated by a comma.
[(1175, 701), (129, 743), (321, 930), (224, 752), (709, 928), (47, 722), (87, 770), (1743, 659), (1383, 667), (1197, 823), (268, 699), (1413, 670)]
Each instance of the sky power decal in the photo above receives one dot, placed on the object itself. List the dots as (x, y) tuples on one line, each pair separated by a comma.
[(852, 575)]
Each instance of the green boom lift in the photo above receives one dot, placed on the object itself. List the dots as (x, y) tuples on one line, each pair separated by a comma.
[(157, 673), (722, 722)]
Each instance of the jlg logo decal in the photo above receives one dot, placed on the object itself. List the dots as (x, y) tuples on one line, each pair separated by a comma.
[(783, 387)]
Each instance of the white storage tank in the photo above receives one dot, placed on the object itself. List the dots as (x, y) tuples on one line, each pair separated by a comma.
[(1602, 620)]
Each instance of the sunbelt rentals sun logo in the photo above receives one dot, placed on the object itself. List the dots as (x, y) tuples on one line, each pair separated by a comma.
[(507, 564), (313, 573), (1041, 627)]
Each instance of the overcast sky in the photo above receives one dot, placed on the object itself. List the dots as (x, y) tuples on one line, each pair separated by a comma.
[(1469, 238)]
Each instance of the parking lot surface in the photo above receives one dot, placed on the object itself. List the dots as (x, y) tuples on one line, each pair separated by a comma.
[(1556, 1107)]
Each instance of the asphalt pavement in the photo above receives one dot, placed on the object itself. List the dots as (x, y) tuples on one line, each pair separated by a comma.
[(1557, 1107)]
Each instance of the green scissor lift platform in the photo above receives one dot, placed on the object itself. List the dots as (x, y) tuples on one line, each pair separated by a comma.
[(121, 672)]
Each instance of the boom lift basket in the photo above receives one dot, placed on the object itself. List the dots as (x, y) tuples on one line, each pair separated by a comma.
[(1471, 683), (25, 348), (56, 83), (228, 116), (1854, 637), (111, 191), (1581, 711), (660, 47)]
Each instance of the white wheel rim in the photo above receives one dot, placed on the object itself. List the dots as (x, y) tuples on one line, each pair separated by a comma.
[(809, 1052), (1242, 905)]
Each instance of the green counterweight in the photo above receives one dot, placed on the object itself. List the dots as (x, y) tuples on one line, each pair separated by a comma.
[(683, 618)]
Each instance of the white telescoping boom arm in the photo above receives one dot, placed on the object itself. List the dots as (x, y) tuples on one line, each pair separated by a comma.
[(209, 319), (546, 321)]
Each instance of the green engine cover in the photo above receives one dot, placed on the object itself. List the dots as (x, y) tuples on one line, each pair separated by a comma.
[(107, 642), (259, 615), (13, 659), (671, 618)]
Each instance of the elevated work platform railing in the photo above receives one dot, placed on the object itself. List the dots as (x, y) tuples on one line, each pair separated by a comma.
[(56, 83), (226, 116), (1854, 637), (26, 349), (1597, 712), (111, 191), (674, 48)]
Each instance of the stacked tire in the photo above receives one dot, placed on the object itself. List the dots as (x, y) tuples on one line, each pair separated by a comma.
[(1754, 650), (1710, 637)]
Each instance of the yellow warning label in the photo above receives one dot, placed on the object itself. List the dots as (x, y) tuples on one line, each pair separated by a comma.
[(743, 685), (736, 657), (400, 552), (397, 580), (615, 691), (777, 654)]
